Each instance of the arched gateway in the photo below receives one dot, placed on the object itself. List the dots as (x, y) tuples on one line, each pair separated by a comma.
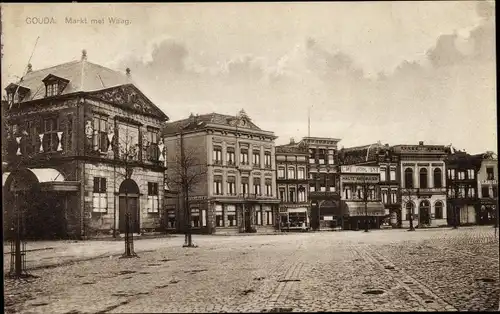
[(129, 203)]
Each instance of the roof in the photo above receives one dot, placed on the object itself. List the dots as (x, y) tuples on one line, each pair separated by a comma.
[(360, 154), (200, 121), (83, 76), (292, 148)]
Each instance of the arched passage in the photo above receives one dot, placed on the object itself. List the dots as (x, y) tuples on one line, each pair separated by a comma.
[(129, 204)]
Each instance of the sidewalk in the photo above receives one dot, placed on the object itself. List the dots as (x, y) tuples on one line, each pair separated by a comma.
[(46, 254)]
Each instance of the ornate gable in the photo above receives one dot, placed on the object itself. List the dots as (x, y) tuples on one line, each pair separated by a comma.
[(129, 97), (242, 120)]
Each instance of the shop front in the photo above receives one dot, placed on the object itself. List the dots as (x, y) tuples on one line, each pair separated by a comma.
[(294, 219), (360, 215)]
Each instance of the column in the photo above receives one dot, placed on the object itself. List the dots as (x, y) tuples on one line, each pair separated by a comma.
[(416, 184), (430, 177)]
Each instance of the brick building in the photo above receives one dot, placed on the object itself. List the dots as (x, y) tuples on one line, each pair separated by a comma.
[(323, 182), (83, 151), (292, 182), (235, 190), (423, 184), (487, 191), (462, 188)]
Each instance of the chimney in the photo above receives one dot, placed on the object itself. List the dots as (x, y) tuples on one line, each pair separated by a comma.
[(292, 140), (421, 143), (84, 55), (30, 68), (127, 70)]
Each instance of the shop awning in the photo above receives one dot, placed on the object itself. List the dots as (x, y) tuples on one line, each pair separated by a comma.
[(358, 208), (5, 175), (47, 175)]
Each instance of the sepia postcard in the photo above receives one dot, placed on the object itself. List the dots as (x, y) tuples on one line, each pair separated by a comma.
[(249, 157)]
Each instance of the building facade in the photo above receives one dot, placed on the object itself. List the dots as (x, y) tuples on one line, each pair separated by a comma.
[(487, 190), (83, 153), (323, 182), (236, 190), (423, 184), (462, 189), (293, 186), (383, 157)]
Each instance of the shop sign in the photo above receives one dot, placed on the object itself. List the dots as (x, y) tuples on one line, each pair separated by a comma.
[(360, 169), (327, 218), (359, 179)]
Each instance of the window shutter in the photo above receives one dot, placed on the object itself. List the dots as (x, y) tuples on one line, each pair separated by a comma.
[(96, 184), (103, 185), (149, 188)]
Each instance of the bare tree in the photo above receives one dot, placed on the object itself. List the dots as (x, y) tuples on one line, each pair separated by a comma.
[(185, 172)]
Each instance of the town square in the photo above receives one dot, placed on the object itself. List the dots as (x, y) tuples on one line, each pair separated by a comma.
[(250, 157)]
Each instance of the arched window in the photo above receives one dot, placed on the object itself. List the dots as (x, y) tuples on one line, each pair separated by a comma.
[(409, 210), (438, 183), (423, 178), (438, 209), (409, 178)]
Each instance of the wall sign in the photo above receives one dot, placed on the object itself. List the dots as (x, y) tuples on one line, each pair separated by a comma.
[(360, 169)]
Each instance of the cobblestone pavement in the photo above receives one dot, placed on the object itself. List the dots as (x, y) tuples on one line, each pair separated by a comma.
[(383, 270)]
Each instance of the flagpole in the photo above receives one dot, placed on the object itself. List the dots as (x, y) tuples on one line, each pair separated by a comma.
[(309, 121), (24, 73)]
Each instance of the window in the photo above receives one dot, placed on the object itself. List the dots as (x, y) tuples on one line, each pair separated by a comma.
[(470, 174), (423, 178), (347, 192), (258, 217), (384, 197), (256, 158), (267, 157), (393, 174), (394, 196), (371, 194), (244, 186), (291, 173), (269, 215), (52, 89), (269, 187), (100, 197), (29, 143), (281, 172), (219, 216), (331, 155), (153, 199), (151, 145), (282, 194), (472, 191), (409, 178), (171, 219), (231, 215), (50, 139), (302, 194), (409, 210), (301, 174), (195, 218), (462, 192), (231, 185), (217, 185), (312, 155), (256, 186), (495, 191), (244, 156), (438, 178), (383, 174), (485, 191), (230, 156), (461, 175), (291, 192), (128, 140), (438, 210), (100, 138), (489, 174), (217, 155), (322, 156)]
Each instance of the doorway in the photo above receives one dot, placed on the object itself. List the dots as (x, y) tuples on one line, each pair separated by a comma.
[(129, 203), (425, 215), (248, 222)]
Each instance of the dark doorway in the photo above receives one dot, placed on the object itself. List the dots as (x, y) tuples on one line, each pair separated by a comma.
[(248, 222), (129, 203), (424, 214)]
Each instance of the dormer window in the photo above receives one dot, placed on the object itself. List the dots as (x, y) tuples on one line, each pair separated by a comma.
[(54, 85), (16, 93)]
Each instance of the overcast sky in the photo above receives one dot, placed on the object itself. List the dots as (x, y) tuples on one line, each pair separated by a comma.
[(398, 72)]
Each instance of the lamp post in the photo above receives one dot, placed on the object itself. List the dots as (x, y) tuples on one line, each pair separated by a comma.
[(365, 200)]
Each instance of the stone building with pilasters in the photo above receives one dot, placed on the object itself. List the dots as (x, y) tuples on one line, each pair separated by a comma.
[(82, 152), (236, 163), (423, 184)]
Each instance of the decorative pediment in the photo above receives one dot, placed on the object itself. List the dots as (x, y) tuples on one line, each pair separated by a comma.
[(129, 97), (242, 120), (53, 78)]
